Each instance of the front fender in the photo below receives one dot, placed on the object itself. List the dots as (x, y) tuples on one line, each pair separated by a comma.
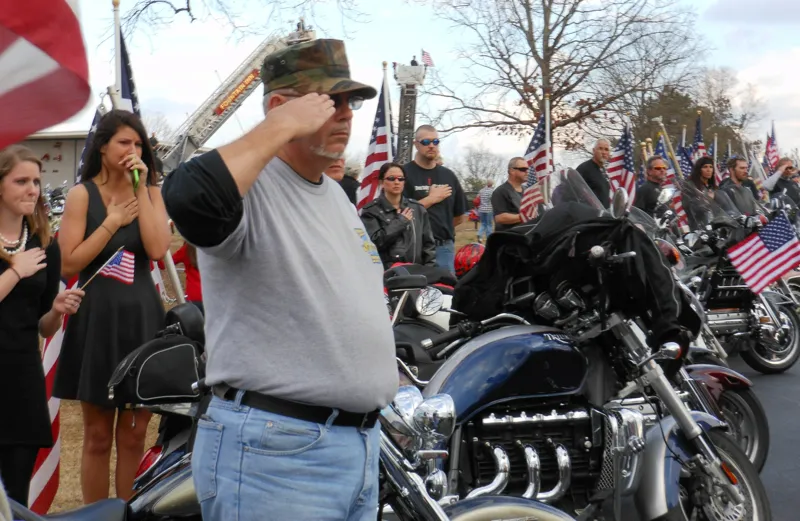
[(503, 507), (658, 494), (717, 379)]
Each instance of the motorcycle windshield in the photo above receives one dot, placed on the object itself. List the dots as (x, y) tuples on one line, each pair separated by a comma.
[(568, 186), (704, 210)]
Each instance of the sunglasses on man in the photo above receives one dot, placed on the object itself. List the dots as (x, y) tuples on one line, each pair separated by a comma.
[(429, 142), (520, 168), (355, 102)]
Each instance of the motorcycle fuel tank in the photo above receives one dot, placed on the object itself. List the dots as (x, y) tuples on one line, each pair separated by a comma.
[(510, 363)]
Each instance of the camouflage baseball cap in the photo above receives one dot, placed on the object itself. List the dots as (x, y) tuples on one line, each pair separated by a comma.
[(315, 66)]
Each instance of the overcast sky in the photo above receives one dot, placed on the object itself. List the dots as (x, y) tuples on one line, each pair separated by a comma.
[(177, 67)]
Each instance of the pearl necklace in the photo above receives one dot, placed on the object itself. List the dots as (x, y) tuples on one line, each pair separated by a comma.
[(19, 245)]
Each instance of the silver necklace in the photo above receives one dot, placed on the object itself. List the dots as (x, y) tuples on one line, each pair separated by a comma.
[(19, 245)]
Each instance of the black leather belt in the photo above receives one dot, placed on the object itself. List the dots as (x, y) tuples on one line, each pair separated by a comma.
[(299, 411)]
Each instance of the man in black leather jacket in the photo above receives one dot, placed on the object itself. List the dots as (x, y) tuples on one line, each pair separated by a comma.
[(398, 226)]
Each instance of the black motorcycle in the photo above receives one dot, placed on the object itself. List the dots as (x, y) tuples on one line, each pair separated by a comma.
[(541, 410), (763, 328)]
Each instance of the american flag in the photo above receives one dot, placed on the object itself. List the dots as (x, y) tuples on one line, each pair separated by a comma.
[(722, 170), (130, 98), (698, 145), (98, 114), (378, 151), (538, 170), (766, 256), (771, 155), (426, 58), (44, 75), (677, 199), (685, 160), (621, 171), (120, 267)]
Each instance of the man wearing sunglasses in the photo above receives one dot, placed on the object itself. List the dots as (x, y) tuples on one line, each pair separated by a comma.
[(300, 349), (507, 198), (785, 183), (438, 189)]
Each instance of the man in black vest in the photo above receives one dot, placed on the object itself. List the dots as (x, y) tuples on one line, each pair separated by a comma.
[(594, 173)]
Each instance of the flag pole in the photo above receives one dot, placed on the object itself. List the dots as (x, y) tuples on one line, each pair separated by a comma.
[(671, 152), (715, 151), (387, 111), (683, 137), (649, 144), (548, 144), (115, 90)]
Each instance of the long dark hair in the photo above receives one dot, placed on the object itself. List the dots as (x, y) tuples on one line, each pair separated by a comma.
[(697, 173), (109, 124)]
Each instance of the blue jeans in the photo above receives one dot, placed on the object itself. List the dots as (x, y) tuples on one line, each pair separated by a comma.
[(486, 224), (250, 465), (446, 255)]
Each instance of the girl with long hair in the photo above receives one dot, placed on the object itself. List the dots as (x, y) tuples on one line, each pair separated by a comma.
[(30, 305), (122, 310), (702, 176)]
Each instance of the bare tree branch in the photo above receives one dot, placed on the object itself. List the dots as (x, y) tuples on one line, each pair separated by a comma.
[(596, 60)]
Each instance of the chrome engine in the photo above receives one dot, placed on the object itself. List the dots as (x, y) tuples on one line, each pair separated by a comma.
[(727, 322), (561, 453)]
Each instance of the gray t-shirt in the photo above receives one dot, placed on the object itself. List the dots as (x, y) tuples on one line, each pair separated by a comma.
[(294, 299)]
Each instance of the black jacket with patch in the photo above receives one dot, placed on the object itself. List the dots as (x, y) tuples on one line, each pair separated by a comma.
[(397, 238)]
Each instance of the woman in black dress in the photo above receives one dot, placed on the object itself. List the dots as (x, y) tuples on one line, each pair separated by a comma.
[(30, 305), (121, 309)]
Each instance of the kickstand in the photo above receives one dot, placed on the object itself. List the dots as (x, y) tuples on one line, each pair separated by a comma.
[(595, 504)]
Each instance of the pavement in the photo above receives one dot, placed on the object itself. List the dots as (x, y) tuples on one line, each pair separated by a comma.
[(780, 395)]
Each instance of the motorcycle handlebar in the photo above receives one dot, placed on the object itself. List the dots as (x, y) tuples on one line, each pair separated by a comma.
[(462, 329)]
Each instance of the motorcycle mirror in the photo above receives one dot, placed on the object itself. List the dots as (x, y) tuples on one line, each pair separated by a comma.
[(429, 302), (774, 204), (620, 203), (691, 239), (666, 195), (435, 418)]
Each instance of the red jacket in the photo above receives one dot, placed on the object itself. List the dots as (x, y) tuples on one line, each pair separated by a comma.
[(194, 291)]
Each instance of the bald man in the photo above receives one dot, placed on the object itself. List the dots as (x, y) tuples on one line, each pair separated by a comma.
[(594, 173)]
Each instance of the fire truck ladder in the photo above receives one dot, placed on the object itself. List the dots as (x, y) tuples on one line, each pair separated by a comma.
[(409, 77), (228, 97)]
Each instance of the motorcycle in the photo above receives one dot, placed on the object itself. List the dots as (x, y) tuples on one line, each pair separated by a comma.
[(542, 411), (763, 328), (165, 491)]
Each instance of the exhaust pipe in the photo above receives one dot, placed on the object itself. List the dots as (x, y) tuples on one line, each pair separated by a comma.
[(564, 476), (534, 471), (500, 481)]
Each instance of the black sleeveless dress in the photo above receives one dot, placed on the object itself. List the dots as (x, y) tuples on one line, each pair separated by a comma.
[(121, 311)]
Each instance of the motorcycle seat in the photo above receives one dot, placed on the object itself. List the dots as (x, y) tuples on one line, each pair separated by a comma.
[(107, 510)]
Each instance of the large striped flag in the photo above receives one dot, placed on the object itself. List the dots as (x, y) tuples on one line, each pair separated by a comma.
[(621, 171), (44, 76), (766, 256), (538, 171), (698, 145), (380, 150)]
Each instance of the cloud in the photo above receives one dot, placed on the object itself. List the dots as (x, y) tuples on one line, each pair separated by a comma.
[(767, 12)]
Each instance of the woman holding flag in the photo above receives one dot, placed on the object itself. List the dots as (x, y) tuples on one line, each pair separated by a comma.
[(30, 305), (113, 225)]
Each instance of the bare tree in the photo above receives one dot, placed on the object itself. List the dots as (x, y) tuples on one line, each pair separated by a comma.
[(729, 104), (158, 124), (237, 14), (588, 55), (478, 166)]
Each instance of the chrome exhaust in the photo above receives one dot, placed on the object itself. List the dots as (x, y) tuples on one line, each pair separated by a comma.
[(534, 471), (564, 475), (500, 481)]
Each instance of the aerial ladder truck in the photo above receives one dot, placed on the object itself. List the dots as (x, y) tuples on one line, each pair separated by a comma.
[(221, 105)]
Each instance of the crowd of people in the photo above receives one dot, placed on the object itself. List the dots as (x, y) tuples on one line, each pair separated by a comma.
[(300, 348)]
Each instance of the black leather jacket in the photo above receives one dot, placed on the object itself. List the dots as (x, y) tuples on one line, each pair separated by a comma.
[(397, 238)]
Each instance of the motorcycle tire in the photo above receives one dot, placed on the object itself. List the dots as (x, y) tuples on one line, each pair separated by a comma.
[(748, 424), (747, 476), (486, 511), (754, 359)]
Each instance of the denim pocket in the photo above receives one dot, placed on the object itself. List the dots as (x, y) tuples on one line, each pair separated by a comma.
[(205, 456), (283, 436)]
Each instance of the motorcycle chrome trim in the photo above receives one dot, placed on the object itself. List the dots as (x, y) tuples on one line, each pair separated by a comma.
[(659, 491), (505, 507), (534, 468), (436, 484), (778, 299), (554, 416), (410, 374), (500, 481), (564, 476)]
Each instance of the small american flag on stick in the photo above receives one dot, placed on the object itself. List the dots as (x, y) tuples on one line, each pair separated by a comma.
[(766, 256), (621, 172), (536, 156), (120, 267), (426, 58)]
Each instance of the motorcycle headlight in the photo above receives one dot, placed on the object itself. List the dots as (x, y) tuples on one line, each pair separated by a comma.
[(397, 419), (435, 418)]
